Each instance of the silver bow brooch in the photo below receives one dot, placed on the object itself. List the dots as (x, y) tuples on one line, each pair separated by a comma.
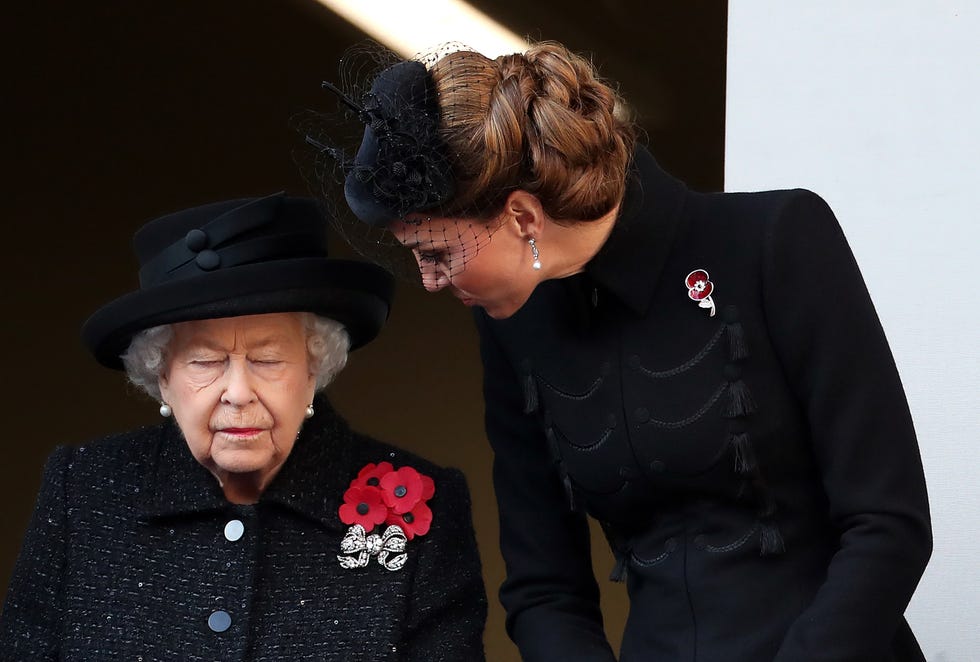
[(357, 541)]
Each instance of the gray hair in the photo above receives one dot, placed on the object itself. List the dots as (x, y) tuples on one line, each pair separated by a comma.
[(327, 346)]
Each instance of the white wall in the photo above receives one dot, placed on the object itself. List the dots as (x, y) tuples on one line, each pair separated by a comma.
[(875, 104)]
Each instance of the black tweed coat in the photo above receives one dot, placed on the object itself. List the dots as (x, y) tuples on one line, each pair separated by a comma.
[(756, 470), (126, 559)]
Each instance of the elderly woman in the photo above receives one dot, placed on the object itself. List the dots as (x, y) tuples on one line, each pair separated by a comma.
[(252, 524)]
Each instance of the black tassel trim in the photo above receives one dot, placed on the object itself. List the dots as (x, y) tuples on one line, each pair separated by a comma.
[(619, 570), (549, 434), (567, 482), (745, 462), (737, 347), (741, 402), (530, 394), (770, 539)]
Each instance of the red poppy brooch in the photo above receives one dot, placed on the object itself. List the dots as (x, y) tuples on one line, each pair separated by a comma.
[(382, 496), (699, 288)]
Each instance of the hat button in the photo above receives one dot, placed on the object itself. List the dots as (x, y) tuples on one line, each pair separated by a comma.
[(208, 260), (196, 240)]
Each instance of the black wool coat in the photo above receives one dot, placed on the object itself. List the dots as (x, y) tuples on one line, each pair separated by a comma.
[(126, 559), (755, 471)]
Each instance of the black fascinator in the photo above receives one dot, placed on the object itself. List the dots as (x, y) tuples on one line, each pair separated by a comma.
[(378, 156), (400, 166)]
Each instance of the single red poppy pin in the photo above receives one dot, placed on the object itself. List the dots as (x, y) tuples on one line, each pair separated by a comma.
[(384, 496), (699, 288)]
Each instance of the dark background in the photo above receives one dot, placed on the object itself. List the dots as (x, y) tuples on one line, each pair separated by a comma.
[(118, 111)]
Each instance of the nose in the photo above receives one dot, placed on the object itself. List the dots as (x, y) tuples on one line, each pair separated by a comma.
[(434, 278), (239, 390)]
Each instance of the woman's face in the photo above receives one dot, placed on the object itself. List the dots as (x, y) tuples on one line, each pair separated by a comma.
[(482, 264), (239, 388)]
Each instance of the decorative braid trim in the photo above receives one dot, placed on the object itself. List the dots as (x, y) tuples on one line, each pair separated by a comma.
[(684, 422), (687, 365), (584, 395), (555, 431)]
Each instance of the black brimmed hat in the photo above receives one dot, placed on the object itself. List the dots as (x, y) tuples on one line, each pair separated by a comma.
[(240, 257)]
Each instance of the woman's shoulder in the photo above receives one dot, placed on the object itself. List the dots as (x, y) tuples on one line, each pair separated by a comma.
[(762, 208), (117, 446), (112, 456), (369, 449)]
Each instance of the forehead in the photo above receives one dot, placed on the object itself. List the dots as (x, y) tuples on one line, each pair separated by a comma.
[(251, 330), (428, 231)]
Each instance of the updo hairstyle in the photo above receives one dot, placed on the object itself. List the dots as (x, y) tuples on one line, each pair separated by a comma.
[(543, 122)]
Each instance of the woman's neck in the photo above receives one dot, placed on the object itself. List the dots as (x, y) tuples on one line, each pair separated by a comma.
[(572, 246)]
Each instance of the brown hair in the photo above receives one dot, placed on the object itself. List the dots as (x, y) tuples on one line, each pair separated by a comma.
[(543, 122)]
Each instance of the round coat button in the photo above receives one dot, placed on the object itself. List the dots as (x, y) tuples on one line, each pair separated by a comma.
[(196, 240), (658, 466), (219, 621), (234, 530), (208, 260), (641, 415)]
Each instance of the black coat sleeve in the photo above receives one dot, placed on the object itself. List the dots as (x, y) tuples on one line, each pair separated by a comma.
[(835, 356), (550, 593), (448, 609), (30, 626)]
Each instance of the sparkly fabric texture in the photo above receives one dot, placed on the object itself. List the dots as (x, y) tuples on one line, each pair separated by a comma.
[(126, 558)]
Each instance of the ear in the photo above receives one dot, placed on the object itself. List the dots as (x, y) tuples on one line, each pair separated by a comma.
[(164, 384), (526, 210)]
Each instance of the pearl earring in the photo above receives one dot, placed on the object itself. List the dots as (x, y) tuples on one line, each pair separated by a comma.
[(534, 253), (165, 410), (309, 411)]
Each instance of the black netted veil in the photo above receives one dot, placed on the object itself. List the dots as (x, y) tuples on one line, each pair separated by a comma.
[(377, 157)]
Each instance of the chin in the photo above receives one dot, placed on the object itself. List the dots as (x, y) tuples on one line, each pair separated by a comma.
[(241, 463), (502, 311)]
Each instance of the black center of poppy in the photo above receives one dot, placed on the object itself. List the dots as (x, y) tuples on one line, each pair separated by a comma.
[(408, 517), (363, 508), (401, 491), (373, 481)]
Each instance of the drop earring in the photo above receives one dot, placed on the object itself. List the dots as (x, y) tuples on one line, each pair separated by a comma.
[(534, 253), (309, 411), (165, 410)]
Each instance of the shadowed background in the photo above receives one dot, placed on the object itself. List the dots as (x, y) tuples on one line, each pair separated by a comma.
[(119, 111)]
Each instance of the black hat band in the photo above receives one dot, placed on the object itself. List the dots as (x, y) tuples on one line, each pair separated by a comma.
[(202, 249)]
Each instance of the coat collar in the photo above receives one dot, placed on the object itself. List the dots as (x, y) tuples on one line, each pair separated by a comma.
[(311, 482), (630, 262)]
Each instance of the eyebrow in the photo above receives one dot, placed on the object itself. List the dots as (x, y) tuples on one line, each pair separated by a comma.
[(205, 343)]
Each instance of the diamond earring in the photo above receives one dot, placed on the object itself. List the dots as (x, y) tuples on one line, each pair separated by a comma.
[(534, 253)]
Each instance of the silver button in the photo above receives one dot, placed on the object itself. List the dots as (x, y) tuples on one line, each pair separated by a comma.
[(234, 530), (219, 621)]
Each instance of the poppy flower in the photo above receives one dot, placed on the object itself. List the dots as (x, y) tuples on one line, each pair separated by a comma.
[(415, 522), (402, 489), (698, 285), (364, 506), (699, 288), (428, 487), (371, 474)]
